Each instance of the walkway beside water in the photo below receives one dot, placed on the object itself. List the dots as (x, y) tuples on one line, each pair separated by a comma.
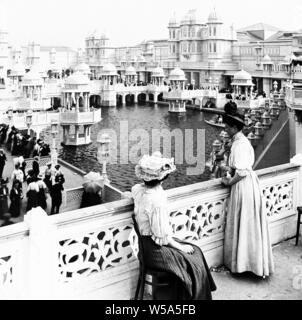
[(72, 180)]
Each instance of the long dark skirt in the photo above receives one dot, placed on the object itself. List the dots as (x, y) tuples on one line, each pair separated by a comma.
[(15, 207), (42, 199), (190, 278)]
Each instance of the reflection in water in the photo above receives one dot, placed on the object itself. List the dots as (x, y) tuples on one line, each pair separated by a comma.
[(145, 117)]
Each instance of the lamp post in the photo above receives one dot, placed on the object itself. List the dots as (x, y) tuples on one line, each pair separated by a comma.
[(275, 87), (103, 154), (10, 115), (53, 153), (29, 119)]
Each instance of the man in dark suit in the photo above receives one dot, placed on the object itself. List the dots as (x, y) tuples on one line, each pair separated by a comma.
[(36, 166), (56, 196)]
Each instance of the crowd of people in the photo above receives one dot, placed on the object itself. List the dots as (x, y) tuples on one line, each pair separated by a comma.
[(36, 184), (20, 144)]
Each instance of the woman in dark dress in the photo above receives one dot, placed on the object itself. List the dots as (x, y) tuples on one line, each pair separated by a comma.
[(32, 196), (15, 198), (3, 197), (190, 276), (42, 190)]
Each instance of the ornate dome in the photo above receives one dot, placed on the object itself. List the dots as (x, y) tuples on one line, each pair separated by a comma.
[(242, 75), (242, 78), (177, 74), (267, 59), (109, 69), (158, 72), (77, 78), (173, 21), (32, 78), (130, 71), (213, 16), (18, 70), (82, 68)]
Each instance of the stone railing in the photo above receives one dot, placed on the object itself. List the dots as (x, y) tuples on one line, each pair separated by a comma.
[(89, 117), (91, 248)]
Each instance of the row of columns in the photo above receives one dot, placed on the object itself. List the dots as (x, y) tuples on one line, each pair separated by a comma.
[(157, 81), (247, 90), (74, 97), (177, 84), (32, 92)]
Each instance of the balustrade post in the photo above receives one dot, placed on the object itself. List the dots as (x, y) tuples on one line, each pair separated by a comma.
[(42, 255), (297, 159)]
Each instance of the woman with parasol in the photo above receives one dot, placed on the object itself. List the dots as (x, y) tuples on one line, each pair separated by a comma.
[(92, 194)]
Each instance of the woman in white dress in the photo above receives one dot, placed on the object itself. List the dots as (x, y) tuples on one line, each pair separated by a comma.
[(247, 244), (190, 275)]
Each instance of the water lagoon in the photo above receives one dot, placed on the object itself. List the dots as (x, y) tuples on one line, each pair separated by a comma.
[(146, 118)]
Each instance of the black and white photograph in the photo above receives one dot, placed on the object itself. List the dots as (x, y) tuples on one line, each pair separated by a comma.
[(150, 150)]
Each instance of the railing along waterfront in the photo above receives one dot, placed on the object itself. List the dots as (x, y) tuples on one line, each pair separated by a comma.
[(91, 247)]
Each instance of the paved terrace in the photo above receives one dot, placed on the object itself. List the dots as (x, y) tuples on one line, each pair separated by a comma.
[(72, 180), (280, 286)]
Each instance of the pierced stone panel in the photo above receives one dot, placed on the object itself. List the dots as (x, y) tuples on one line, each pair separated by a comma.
[(94, 252), (199, 221), (73, 196), (278, 198), (6, 271)]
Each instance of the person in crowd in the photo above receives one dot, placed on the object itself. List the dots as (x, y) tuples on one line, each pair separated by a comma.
[(247, 246), (58, 173), (36, 149), (48, 175), (42, 191), (190, 275), (91, 198), (44, 149), (56, 195), (3, 133), (15, 199), (3, 197), (29, 147), (7, 220), (30, 176), (32, 195), (22, 166), (36, 166), (17, 173), (3, 159)]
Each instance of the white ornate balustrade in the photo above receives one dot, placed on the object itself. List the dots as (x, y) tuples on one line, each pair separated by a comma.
[(92, 247), (43, 119), (71, 117)]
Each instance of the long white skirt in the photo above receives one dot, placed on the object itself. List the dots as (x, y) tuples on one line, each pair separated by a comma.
[(247, 245)]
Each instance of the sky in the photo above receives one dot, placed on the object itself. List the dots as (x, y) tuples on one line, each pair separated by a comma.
[(128, 22)]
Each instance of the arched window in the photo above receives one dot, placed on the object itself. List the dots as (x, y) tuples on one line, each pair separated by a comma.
[(173, 34), (214, 49), (214, 31), (210, 30), (210, 47)]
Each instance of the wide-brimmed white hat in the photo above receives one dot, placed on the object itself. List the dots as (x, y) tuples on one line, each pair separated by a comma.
[(154, 167)]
